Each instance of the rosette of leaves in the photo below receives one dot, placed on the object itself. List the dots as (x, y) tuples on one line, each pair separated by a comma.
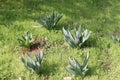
[(115, 38), (79, 38), (33, 64), (50, 21), (76, 68), (26, 40)]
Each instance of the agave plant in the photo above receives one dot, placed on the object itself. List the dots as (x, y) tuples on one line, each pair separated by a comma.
[(50, 21), (79, 38), (78, 69), (26, 40), (33, 64), (115, 38)]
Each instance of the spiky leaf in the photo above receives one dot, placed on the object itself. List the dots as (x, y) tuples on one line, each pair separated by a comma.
[(76, 68), (70, 70), (33, 64), (50, 21), (78, 39)]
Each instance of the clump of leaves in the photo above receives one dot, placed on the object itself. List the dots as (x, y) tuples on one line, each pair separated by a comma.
[(50, 21), (79, 38), (115, 38), (26, 40), (33, 64), (78, 69)]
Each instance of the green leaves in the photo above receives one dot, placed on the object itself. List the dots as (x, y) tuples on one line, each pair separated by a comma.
[(33, 64), (115, 38), (26, 40), (50, 21), (76, 68), (78, 39)]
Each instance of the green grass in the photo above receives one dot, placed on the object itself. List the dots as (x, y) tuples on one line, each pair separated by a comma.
[(100, 16)]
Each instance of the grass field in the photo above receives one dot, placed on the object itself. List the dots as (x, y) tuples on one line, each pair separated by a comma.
[(101, 17)]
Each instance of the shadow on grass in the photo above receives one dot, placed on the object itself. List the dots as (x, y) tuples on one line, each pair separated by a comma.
[(91, 42), (92, 71), (11, 11), (75, 9), (31, 9), (48, 69), (59, 26)]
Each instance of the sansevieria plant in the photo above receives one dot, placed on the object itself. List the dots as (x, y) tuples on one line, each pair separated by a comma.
[(33, 64), (50, 21), (78, 69), (77, 39)]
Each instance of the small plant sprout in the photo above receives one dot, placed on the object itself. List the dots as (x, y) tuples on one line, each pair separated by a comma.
[(50, 21), (79, 38), (26, 40), (33, 65), (78, 69), (115, 38)]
